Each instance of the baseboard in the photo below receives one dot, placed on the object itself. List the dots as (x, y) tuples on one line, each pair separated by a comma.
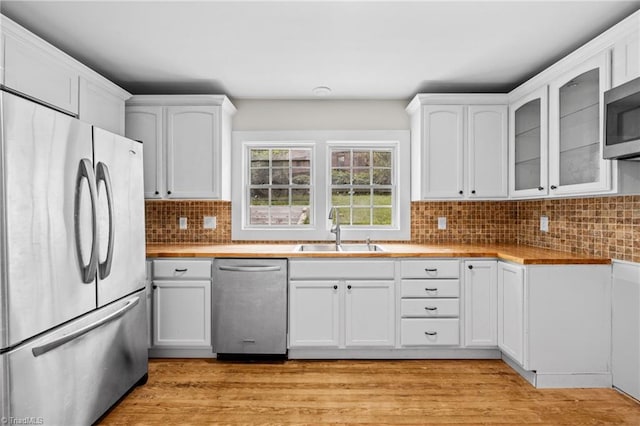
[(392, 353), (542, 380)]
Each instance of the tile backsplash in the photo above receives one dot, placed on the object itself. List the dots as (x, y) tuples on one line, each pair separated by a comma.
[(601, 226)]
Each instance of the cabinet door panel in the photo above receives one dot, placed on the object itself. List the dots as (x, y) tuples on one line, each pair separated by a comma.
[(511, 311), (101, 108), (145, 124), (39, 74), (182, 313), (370, 318), (528, 145), (314, 313), (575, 129), (443, 159), (481, 312), (487, 152), (193, 152)]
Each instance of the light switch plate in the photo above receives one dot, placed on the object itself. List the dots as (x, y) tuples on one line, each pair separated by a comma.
[(442, 223), (544, 223), (182, 223), (209, 222)]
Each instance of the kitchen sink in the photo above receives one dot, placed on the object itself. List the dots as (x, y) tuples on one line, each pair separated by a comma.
[(342, 247)]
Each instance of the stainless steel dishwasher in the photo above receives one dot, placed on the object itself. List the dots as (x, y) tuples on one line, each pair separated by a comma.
[(250, 306)]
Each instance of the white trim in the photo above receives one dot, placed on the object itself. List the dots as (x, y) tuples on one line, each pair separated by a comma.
[(392, 353), (321, 140)]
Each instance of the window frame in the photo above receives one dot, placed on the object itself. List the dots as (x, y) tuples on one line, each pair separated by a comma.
[(320, 143)]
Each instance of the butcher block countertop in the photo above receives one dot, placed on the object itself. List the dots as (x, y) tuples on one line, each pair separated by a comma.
[(524, 255)]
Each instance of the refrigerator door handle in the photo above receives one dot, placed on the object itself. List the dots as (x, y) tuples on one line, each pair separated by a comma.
[(85, 171), (40, 350), (102, 174)]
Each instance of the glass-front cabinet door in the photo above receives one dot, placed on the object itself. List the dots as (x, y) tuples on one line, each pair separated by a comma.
[(528, 136), (575, 126)]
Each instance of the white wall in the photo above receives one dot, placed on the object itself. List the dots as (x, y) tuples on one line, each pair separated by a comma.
[(320, 114)]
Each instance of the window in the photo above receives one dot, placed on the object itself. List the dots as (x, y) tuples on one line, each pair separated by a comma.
[(285, 183), (362, 185), (279, 187)]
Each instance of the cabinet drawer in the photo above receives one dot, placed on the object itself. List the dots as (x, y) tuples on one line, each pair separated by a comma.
[(430, 269), (430, 288), (430, 308), (343, 269), (182, 269), (430, 332)]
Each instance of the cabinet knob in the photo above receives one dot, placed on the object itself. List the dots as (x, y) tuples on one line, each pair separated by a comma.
[(470, 266), (553, 187), (335, 287), (169, 192), (155, 286), (349, 287), (473, 191), (157, 192), (461, 192), (540, 188)]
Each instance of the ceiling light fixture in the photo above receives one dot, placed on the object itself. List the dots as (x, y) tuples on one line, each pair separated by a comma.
[(321, 91)]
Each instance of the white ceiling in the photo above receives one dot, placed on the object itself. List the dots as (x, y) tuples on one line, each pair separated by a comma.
[(282, 50)]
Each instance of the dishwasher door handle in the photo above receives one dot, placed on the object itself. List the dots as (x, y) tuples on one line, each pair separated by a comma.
[(250, 268)]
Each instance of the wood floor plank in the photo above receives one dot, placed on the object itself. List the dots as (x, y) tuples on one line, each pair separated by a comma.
[(404, 392)]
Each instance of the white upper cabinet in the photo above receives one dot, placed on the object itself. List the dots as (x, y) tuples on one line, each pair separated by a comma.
[(187, 143), (145, 124), (443, 151), (528, 145), (36, 69), (575, 129), (459, 146), (487, 151)]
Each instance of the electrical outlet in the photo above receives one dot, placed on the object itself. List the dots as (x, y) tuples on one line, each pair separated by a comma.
[(209, 222), (442, 223), (544, 223), (183, 223)]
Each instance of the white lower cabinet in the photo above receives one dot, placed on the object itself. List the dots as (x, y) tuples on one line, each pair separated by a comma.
[(554, 323), (314, 314), (181, 308), (345, 305), (480, 300)]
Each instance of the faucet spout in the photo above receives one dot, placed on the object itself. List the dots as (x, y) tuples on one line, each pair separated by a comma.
[(335, 228)]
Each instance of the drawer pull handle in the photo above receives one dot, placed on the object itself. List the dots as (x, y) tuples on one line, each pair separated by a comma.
[(431, 269), (248, 340), (181, 270), (431, 333), (431, 308), (430, 289)]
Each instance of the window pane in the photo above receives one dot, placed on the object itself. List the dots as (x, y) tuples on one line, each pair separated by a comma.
[(340, 177), (260, 176), (279, 197), (382, 216), (340, 159), (259, 215), (382, 197), (381, 159), (382, 176), (362, 197), (300, 215), (259, 158), (340, 197), (280, 176), (300, 197), (280, 155), (361, 216), (259, 197), (301, 157), (361, 158), (361, 176), (301, 176), (345, 215)]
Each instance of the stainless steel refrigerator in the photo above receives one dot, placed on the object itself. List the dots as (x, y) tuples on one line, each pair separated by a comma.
[(72, 266)]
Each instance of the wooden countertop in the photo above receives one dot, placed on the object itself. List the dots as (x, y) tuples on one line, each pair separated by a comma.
[(525, 255)]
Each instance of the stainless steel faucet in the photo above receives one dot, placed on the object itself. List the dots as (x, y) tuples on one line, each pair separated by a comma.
[(335, 229)]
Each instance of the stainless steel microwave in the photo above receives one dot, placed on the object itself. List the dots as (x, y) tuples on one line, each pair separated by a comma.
[(622, 121)]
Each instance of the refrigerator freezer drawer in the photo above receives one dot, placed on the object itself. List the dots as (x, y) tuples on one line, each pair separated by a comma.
[(74, 374)]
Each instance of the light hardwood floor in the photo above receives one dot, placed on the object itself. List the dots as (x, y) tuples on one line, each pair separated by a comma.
[(200, 391)]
